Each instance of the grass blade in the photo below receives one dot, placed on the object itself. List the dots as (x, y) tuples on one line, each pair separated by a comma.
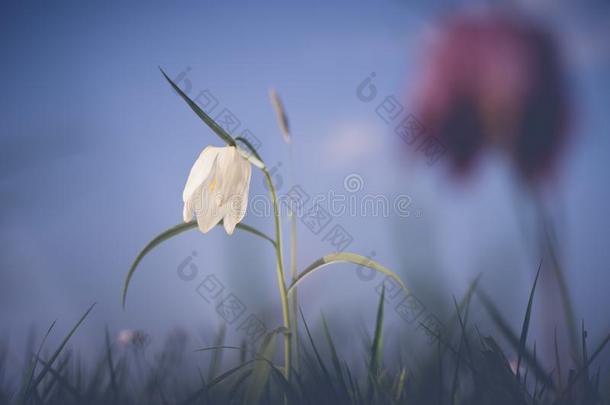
[(464, 306), (325, 372), (334, 356), (585, 366), (32, 369), (235, 389), (218, 130), (377, 346), (345, 257), (262, 370), (463, 340), (170, 233), (216, 360), (57, 352), (511, 337), (61, 380), (376, 349), (557, 361), (113, 380), (526, 322), (52, 384)]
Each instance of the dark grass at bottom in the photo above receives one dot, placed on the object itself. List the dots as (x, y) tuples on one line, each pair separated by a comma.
[(464, 368)]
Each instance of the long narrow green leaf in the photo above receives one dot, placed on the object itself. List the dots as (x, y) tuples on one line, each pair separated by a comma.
[(224, 376), (288, 390), (232, 371), (57, 352), (464, 306), (113, 380), (345, 257), (327, 379), (353, 393), (216, 360), (52, 384), (557, 361), (526, 322), (208, 348), (400, 385), (377, 346), (464, 334), (590, 360), (549, 236), (585, 354), (32, 369), (512, 338), (262, 370), (334, 357), (222, 134), (463, 339), (170, 233), (376, 350), (62, 380), (235, 389)]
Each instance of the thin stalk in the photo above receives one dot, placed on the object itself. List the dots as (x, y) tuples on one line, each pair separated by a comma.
[(293, 295), (281, 280), (566, 298), (294, 300), (545, 232)]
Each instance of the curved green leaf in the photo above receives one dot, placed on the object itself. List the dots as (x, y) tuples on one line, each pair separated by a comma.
[(170, 233), (204, 117), (346, 258)]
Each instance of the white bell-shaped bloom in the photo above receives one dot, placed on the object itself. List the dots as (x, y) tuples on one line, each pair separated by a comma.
[(217, 188)]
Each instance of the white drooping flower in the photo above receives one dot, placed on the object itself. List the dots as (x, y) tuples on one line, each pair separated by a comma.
[(217, 188)]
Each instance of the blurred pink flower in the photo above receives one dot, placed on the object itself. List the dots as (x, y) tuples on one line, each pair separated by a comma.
[(129, 337), (495, 80)]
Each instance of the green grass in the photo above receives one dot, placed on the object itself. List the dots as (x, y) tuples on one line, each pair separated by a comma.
[(466, 367)]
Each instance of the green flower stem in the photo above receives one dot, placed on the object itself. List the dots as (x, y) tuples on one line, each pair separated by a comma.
[(294, 298), (281, 280)]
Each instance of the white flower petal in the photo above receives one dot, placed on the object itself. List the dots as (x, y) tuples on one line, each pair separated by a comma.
[(240, 202), (229, 224), (235, 191), (202, 202), (207, 211), (200, 170), (187, 212), (197, 199), (208, 220), (218, 190)]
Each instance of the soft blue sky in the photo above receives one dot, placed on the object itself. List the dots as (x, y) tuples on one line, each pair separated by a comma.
[(95, 149)]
